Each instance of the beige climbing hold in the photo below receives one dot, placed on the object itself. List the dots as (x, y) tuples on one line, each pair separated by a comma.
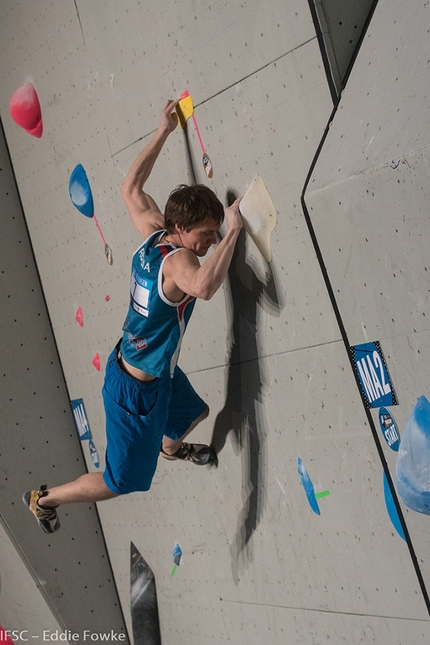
[(259, 216)]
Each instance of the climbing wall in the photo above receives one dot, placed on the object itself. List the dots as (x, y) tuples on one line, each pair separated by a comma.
[(367, 199), (291, 537), (340, 26), (16, 576), (68, 582)]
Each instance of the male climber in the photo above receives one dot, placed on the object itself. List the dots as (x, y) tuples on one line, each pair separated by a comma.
[(150, 404)]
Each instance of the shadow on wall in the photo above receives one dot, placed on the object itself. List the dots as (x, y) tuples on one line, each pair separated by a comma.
[(189, 156), (242, 413)]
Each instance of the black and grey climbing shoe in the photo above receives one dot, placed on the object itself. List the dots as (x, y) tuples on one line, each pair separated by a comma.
[(47, 518), (197, 453)]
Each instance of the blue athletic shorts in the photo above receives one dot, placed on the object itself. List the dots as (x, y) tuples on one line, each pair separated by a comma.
[(137, 416)]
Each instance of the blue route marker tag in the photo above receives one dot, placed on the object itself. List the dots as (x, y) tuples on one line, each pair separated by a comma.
[(81, 419), (389, 429), (83, 428), (372, 373)]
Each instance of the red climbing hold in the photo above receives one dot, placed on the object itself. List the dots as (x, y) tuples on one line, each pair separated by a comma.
[(79, 317), (25, 110), (96, 362)]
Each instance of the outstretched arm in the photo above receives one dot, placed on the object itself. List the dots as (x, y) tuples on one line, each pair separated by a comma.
[(203, 281), (144, 212)]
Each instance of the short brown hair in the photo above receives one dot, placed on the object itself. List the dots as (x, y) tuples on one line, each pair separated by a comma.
[(190, 205)]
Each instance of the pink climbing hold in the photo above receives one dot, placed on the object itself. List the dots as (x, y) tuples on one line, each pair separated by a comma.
[(25, 110), (96, 362), (79, 316), (107, 298)]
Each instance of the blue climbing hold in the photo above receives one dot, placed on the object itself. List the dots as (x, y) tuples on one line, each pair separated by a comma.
[(308, 486), (413, 460), (80, 191)]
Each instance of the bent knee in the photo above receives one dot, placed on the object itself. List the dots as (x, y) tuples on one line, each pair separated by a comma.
[(204, 414)]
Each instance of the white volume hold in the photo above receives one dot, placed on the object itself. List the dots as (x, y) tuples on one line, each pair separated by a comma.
[(259, 216)]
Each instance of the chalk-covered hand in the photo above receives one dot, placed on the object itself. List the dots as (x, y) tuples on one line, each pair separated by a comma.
[(233, 217), (169, 118)]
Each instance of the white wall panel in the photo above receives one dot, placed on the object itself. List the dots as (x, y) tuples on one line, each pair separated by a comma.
[(368, 198), (266, 352), (39, 444)]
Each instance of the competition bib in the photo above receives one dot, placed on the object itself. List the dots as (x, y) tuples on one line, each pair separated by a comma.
[(140, 293)]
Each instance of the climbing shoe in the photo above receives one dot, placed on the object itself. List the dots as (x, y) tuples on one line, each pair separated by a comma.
[(197, 453), (46, 517)]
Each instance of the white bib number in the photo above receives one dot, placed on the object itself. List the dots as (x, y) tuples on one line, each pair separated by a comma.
[(140, 291)]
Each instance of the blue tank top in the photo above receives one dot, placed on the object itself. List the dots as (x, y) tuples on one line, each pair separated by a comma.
[(154, 326)]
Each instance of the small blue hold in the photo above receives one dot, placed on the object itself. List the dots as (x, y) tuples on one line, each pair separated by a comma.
[(308, 486)]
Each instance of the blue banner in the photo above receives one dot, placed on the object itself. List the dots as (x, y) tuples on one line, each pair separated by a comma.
[(81, 419), (373, 376)]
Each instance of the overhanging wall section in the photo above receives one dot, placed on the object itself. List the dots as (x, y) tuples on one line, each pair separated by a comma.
[(368, 201), (40, 443), (340, 25)]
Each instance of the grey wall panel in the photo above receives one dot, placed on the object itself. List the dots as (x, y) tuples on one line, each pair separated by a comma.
[(262, 623), (39, 441), (28, 613), (205, 48), (341, 25), (250, 538), (368, 198)]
